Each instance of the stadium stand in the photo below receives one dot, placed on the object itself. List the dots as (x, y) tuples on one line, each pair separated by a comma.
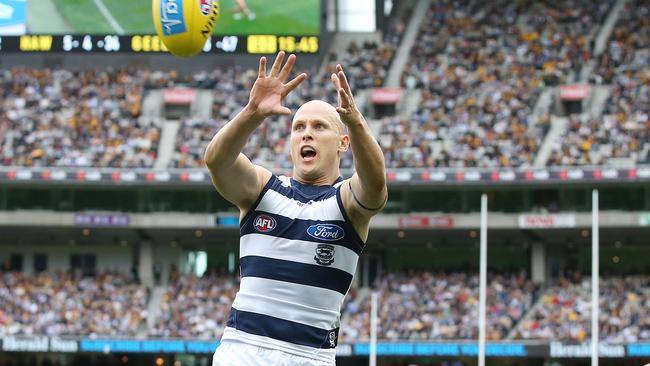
[(477, 96), (80, 119), (438, 306), (60, 304), (564, 311), (196, 307), (422, 305), (622, 132)]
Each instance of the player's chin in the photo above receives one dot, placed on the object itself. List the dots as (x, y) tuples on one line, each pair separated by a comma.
[(308, 169)]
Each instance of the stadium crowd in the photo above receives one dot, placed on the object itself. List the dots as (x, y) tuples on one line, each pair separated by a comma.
[(62, 304), (413, 305), (366, 67), (480, 68), (74, 118), (419, 305), (564, 312), (195, 307), (623, 131)]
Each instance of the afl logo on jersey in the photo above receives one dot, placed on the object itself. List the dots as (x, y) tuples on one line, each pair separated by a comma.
[(326, 232), (206, 7), (264, 223), (324, 254)]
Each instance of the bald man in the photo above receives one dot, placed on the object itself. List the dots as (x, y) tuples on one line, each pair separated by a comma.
[(300, 236)]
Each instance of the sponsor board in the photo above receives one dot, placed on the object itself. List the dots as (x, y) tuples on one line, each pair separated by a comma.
[(83, 219), (560, 350), (419, 349), (547, 221), (425, 221), (415, 177), (25, 344), (179, 96), (574, 92)]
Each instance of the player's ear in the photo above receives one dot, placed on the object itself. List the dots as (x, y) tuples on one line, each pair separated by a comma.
[(344, 143)]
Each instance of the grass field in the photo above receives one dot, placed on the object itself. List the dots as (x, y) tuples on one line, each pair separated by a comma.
[(298, 17)]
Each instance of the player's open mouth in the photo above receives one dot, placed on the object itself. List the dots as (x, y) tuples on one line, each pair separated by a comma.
[(307, 153)]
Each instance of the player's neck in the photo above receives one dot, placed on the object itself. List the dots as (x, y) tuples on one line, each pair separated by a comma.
[(317, 180)]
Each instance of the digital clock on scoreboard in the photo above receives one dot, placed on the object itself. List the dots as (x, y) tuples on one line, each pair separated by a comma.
[(151, 43)]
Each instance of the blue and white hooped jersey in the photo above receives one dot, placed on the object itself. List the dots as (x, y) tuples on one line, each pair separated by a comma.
[(298, 254)]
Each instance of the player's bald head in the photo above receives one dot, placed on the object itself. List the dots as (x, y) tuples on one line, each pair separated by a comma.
[(318, 109)]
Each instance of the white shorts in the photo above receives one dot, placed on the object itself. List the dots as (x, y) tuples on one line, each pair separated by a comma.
[(242, 354)]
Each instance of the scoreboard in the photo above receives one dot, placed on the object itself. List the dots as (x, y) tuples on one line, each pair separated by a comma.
[(149, 43)]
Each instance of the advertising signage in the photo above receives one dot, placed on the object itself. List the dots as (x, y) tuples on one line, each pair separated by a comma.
[(534, 349)]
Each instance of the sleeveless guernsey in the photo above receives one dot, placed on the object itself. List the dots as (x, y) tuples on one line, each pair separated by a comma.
[(298, 254)]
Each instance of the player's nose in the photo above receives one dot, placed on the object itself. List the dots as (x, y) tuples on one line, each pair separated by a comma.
[(307, 134)]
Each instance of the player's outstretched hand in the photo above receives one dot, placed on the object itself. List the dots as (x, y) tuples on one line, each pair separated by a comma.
[(269, 91), (346, 108)]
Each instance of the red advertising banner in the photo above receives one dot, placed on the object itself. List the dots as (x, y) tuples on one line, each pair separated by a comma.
[(547, 221), (425, 221), (574, 91), (386, 95), (179, 96)]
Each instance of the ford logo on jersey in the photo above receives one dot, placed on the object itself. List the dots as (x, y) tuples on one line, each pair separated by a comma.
[(327, 232), (264, 223), (171, 17)]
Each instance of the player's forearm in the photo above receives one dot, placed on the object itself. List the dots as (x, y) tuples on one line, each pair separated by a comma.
[(368, 157), (226, 145)]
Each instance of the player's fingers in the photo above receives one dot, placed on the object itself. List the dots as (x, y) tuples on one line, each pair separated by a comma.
[(290, 86), (344, 80), (286, 69), (275, 70), (337, 86), (282, 111), (336, 81), (346, 100), (262, 71), (346, 87)]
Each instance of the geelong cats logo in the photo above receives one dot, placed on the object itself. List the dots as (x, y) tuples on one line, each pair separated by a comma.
[(324, 254)]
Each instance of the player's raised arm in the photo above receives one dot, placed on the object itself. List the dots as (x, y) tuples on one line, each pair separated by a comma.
[(233, 174), (365, 193)]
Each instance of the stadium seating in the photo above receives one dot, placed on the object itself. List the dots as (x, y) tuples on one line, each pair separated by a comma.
[(623, 130), (440, 306), (108, 304), (81, 119), (565, 311), (196, 307), (476, 109)]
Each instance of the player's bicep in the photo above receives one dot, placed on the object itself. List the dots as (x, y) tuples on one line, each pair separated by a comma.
[(363, 200), (241, 183)]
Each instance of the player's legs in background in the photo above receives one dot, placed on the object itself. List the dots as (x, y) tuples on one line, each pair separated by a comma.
[(242, 7)]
